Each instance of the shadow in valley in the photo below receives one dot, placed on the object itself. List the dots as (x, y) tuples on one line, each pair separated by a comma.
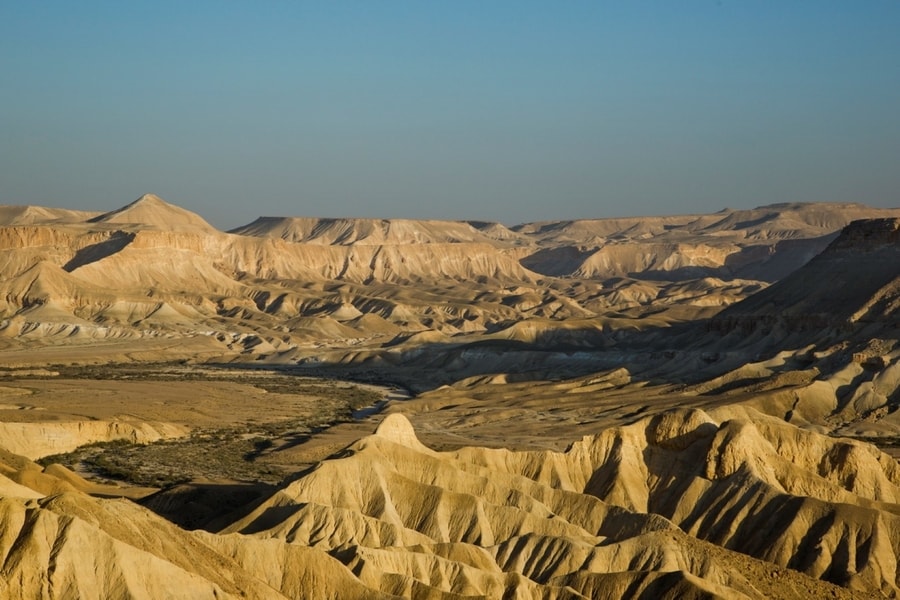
[(116, 242), (552, 355), (207, 505)]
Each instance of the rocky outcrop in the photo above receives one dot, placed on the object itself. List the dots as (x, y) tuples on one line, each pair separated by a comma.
[(684, 503), (853, 283), (38, 439), (152, 268), (666, 495)]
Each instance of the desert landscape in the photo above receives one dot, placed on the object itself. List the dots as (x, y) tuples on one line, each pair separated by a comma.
[(687, 406)]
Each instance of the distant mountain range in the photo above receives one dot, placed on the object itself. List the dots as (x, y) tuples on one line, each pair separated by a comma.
[(152, 267), (698, 369)]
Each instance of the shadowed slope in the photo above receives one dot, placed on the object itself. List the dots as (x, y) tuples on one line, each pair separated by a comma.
[(491, 523), (69, 545), (152, 268), (855, 281)]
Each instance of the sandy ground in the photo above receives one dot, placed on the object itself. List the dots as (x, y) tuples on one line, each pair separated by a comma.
[(528, 415), (15, 354), (201, 404)]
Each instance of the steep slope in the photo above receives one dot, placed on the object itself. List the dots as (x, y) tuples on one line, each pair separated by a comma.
[(754, 484), (390, 518), (57, 542), (151, 268), (494, 523), (151, 211), (45, 283), (855, 281)]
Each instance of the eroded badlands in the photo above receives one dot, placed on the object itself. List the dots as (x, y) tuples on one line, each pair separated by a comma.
[(676, 407)]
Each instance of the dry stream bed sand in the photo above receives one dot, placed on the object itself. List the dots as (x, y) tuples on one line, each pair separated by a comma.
[(648, 407), (224, 424), (252, 425)]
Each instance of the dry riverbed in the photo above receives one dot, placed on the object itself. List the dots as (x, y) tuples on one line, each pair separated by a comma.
[(238, 420)]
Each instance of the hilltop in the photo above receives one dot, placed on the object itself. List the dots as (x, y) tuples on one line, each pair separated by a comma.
[(607, 408), (153, 266), (152, 212)]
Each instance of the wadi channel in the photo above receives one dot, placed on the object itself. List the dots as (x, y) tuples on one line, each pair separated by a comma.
[(699, 406)]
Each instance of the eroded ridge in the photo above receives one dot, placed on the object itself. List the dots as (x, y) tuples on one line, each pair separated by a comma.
[(676, 504)]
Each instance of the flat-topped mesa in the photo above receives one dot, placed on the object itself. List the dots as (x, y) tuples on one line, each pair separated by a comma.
[(152, 212), (364, 232), (765, 223), (17, 216), (422, 281)]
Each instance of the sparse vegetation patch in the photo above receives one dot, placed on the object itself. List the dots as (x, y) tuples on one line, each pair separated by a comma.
[(238, 452)]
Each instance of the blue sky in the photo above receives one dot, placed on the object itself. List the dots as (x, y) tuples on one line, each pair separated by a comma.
[(506, 111)]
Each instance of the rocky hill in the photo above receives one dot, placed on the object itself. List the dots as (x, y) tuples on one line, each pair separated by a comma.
[(684, 505), (608, 517), (152, 267), (852, 283), (152, 212), (379, 232), (640, 408)]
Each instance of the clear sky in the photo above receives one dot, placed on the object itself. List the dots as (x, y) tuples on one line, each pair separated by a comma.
[(509, 111)]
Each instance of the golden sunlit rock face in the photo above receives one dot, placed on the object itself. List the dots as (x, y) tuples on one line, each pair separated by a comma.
[(702, 406)]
